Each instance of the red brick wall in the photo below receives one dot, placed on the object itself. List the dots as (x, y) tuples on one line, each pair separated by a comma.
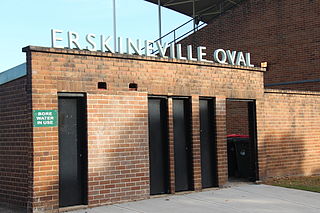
[(118, 147), (15, 142), (289, 133), (196, 150), (221, 138), (285, 33), (117, 117), (237, 118)]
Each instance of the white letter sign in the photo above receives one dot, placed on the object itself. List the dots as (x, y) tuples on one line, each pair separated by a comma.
[(216, 58), (151, 48), (105, 44), (73, 38), (54, 38), (92, 43)]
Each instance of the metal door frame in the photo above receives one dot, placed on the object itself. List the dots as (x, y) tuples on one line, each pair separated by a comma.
[(166, 136), (252, 117), (252, 125)]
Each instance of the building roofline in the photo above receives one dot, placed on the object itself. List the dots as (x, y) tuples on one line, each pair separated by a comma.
[(13, 73), (135, 57)]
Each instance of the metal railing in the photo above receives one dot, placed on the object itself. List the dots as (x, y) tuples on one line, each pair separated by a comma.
[(180, 37), (176, 36), (224, 6)]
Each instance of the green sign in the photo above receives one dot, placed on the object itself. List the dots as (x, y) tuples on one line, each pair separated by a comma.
[(45, 118)]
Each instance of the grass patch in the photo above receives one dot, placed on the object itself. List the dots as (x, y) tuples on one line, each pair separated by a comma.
[(309, 183)]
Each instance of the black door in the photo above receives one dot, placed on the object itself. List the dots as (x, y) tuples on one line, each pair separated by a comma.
[(158, 146), (72, 152), (208, 143), (182, 145)]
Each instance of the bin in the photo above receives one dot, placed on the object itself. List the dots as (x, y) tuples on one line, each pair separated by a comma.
[(239, 156), (232, 161)]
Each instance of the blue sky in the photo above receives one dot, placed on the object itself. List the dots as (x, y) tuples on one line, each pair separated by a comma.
[(28, 22)]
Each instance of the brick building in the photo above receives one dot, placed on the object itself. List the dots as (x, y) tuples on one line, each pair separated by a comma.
[(284, 33), (116, 127), (133, 126)]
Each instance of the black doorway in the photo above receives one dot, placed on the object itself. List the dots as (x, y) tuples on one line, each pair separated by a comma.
[(242, 140), (208, 143), (72, 150), (182, 144), (158, 146)]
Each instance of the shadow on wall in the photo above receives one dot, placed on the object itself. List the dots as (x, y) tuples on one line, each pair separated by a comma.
[(10, 209), (316, 172), (289, 146), (289, 155)]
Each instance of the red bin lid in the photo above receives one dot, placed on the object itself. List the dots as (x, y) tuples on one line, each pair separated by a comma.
[(237, 136)]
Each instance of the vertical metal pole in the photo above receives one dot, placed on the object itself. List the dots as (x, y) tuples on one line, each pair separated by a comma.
[(194, 15), (114, 26), (159, 17)]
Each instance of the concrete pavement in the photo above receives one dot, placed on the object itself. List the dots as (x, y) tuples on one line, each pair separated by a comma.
[(243, 198)]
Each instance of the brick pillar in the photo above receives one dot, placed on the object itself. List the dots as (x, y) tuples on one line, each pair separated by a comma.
[(171, 146), (196, 155), (221, 141), (262, 157), (45, 158)]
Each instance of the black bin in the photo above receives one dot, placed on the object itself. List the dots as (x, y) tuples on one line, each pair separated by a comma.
[(232, 161), (239, 156)]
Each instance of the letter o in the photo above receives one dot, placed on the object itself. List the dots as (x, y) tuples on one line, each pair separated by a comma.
[(216, 58)]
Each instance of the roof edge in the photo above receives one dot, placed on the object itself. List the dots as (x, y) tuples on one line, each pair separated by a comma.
[(13, 73), (135, 57)]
